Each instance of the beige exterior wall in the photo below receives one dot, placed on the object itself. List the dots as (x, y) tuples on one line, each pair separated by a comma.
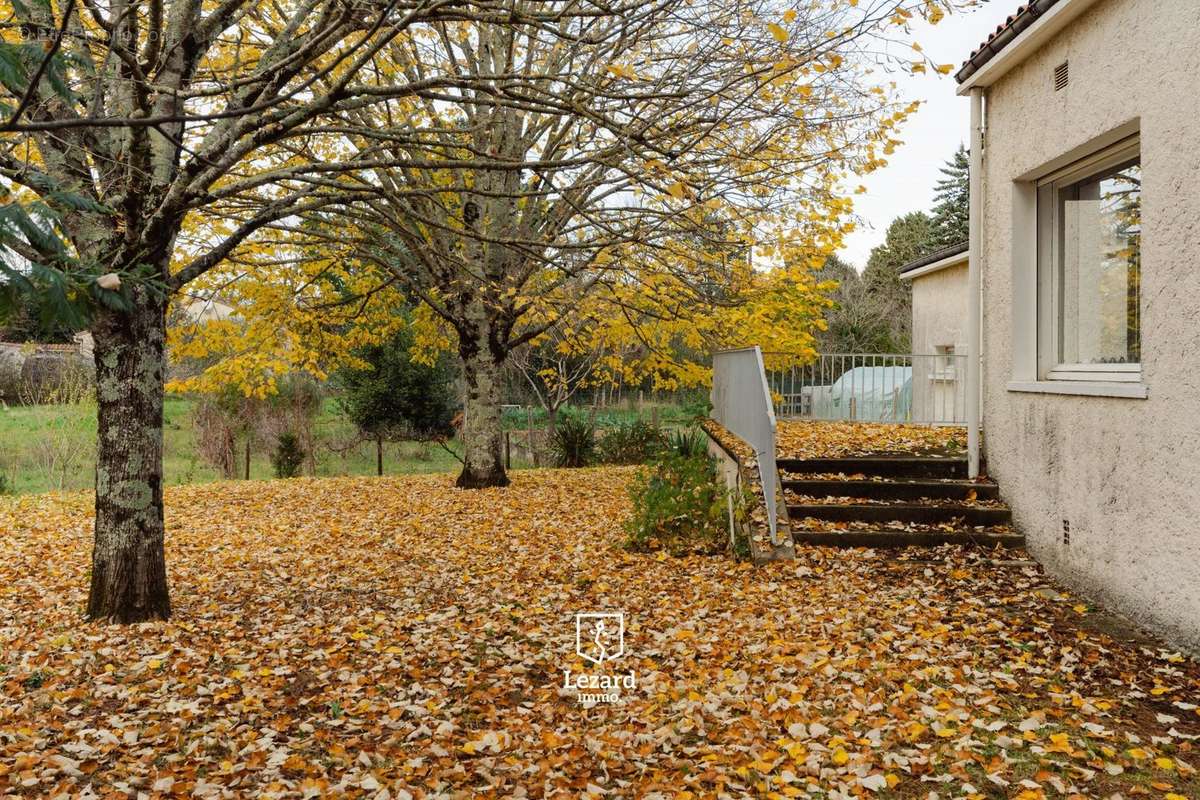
[(1124, 472), (939, 319)]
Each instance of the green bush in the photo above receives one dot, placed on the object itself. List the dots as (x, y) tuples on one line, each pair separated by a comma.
[(574, 442), (396, 397), (288, 456), (678, 506), (634, 442)]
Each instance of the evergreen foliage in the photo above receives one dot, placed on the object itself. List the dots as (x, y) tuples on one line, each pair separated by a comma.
[(630, 443), (952, 196), (398, 397), (289, 456), (857, 321), (679, 505)]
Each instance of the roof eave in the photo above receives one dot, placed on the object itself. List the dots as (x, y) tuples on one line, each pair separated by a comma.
[(1018, 42), (936, 266)]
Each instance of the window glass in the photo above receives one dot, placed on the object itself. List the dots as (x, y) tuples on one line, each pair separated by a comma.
[(1100, 268)]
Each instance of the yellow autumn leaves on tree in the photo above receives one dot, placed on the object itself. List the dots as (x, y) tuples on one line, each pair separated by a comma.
[(654, 313)]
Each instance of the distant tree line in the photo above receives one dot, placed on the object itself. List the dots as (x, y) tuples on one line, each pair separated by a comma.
[(872, 310)]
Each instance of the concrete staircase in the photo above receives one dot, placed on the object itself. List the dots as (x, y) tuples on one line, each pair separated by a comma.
[(893, 501)]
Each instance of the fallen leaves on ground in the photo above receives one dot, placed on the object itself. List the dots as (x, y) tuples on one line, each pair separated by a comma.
[(399, 638), (813, 439)]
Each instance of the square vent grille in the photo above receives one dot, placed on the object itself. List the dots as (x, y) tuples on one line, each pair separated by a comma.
[(1062, 75)]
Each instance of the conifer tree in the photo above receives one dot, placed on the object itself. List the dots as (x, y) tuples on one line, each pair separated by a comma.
[(952, 195)]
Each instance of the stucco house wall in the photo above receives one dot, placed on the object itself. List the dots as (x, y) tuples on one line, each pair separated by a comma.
[(940, 310), (1121, 472), (939, 319)]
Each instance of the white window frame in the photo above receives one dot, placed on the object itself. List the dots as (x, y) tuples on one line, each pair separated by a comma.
[(1049, 273), (944, 364)]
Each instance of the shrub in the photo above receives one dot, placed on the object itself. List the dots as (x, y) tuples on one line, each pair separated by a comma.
[(678, 506), (574, 442), (219, 419), (395, 397), (65, 438), (630, 443), (288, 456)]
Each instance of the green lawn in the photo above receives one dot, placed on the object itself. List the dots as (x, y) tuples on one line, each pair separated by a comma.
[(50, 447)]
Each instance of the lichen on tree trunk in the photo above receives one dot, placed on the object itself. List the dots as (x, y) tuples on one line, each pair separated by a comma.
[(129, 577), (483, 458)]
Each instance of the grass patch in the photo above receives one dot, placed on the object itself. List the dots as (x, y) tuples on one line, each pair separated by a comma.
[(52, 447), (29, 433)]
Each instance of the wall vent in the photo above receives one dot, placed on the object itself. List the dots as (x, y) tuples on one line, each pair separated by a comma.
[(1066, 531), (1062, 75)]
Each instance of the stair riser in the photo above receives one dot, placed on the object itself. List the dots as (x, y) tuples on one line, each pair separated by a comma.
[(930, 515), (884, 490), (901, 468)]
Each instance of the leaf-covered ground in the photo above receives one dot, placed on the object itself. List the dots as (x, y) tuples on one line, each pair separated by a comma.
[(400, 638), (813, 439)]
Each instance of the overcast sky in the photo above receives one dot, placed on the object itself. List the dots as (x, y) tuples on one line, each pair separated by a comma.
[(931, 135)]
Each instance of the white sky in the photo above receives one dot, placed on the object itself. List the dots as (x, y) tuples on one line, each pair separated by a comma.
[(930, 135)]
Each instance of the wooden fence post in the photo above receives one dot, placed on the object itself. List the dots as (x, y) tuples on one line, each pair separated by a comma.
[(532, 447)]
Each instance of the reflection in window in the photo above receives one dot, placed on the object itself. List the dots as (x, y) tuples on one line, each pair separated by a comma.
[(1100, 268)]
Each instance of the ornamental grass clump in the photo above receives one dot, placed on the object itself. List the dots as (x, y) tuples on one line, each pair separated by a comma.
[(574, 442)]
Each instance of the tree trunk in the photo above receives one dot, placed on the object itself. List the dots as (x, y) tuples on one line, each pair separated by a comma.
[(379, 456), (551, 420), (129, 574), (483, 462)]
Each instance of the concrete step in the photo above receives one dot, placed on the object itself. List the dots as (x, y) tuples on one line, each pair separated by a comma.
[(893, 490), (923, 513), (886, 466)]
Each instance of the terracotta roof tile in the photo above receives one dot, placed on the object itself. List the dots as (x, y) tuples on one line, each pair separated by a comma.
[(1019, 20)]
